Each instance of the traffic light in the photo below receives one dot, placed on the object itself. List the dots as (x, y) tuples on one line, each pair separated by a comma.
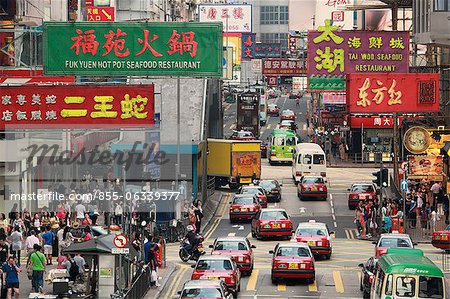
[(381, 177), (377, 179)]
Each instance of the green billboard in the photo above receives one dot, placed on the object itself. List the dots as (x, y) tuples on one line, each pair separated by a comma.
[(133, 49)]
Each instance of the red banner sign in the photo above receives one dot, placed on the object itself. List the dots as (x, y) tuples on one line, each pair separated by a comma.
[(374, 122), (100, 14), (283, 66), (272, 80), (77, 106), (389, 92)]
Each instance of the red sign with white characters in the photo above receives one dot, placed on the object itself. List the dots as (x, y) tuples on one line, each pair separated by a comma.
[(337, 16), (100, 14), (392, 92), (283, 66), (272, 80), (374, 122), (37, 80), (77, 106)]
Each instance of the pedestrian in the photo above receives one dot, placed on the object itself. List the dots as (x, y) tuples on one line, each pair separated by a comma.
[(307, 119), (362, 221), (357, 219), (86, 220), (153, 266), (26, 217), (81, 263), (87, 234), (192, 217), (147, 248), (342, 151), (413, 214), (61, 212), (137, 244), (424, 219), (11, 272), (45, 220), (3, 251), (434, 218), (18, 223), (54, 222), (436, 190), (12, 214), (37, 265), (446, 205), (118, 211), (30, 241), (16, 239), (36, 223), (198, 211), (62, 259), (47, 240), (3, 222), (71, 267), (80, 210)]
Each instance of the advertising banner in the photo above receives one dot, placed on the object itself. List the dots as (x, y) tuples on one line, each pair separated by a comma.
[(374, 122), (272, 80), (283, 66), (77, 106), (333, 98), (132, 49), (422, 165), (252, 50), (37, 80), (233, 40), (153, 168), (334, 53), (257, 66), (246, 164), (297, 84), (388, 92), (235, 17)]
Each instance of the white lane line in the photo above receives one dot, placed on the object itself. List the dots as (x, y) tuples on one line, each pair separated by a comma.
[(334, 217), (228, 107), (232, 235), (284, 102), (332, 211), (335, 224)]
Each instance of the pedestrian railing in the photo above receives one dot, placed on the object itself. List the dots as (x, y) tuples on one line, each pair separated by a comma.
[(419, 231), (140, 285), (446, 261)]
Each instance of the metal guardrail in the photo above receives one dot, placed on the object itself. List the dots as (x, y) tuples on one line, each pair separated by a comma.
[(446, 261), (140, 286)]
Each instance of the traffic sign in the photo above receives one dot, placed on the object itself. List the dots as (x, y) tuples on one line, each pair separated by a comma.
[(404, 185), (120, 241), (120, 250)]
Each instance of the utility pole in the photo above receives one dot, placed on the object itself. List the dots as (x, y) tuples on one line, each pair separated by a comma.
[(394, 115)]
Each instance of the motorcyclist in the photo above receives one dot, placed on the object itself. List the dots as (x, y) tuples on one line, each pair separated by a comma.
[(191, 237)]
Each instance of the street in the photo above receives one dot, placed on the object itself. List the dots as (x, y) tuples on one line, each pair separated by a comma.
[(335, 278)]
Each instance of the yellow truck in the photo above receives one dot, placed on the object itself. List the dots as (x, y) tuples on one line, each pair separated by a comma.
[(234, 162)]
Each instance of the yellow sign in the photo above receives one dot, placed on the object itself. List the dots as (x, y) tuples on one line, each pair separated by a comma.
[(416, 140), (235, 43)]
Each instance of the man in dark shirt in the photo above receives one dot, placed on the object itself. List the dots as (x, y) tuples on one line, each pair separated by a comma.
[(3, 251)]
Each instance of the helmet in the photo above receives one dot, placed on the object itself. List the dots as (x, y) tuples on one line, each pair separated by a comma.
[(189, 228)]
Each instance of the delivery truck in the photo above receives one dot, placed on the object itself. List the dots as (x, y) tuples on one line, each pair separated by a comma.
[(234, 162)]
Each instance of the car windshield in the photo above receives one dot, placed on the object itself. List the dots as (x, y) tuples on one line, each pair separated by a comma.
[(243, 200), (214, 265), (431, 287), (288, 112), (312, 180), (287, 122), (268, 185), (311, 231), (293, 251), (395, 242), (230, 245), (274, 215), (252, 191), (201, 293), (362, 188), (272, 106)]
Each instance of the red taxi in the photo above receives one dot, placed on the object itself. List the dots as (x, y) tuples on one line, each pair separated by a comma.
[(312, 187), (317, 236), (292, 260), (441, 239), (287, 114), (272, 223), (243, 206), (204, 289), (393, 240), (218, 267), (255, 190), (242, 135), (237, 247), (360, 192), (272, 109)]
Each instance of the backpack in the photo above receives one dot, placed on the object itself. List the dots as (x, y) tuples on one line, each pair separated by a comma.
[(74, 270)]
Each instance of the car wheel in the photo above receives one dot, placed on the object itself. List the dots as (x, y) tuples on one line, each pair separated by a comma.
[(328, 256), (366, 295), (274, 280), (324, 198), (235, 295), (270, 162), (360, 285), (310, 280)]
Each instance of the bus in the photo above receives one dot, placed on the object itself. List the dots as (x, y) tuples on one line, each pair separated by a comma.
[(308, 159), (282, 143), (248, 112), (407, 273)]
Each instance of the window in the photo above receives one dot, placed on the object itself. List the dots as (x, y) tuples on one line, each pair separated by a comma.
[(431, 287), (284, 15), (389, 285), (271, 15), (405, 286), (307, 159), (379, 283), (441, 5), (319, 159)]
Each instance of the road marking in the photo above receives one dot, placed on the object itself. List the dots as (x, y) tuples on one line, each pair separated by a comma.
[(339, 285), (335, 224), (334, 217), (359, 276), (281, 287), (332, 211), (232, 235), (232, 126), (269, 126), (175, 282), (251, 284), (351, 234), (346, 233), (312, 287), (228, 107)]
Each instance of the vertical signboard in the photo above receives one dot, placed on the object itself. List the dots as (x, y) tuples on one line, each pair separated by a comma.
[(235, 17)]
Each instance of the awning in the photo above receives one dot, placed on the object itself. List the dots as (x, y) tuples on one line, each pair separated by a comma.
[(98, 245)]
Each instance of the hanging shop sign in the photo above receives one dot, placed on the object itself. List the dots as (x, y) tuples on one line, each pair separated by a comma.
[(422, 165), (374, 122), (283, 66), (272, 80), (333, 98), (253, 50), (101, 14), (235, 17), (256, 66), (334, 53), (128, 49), (388, 93), (417, 140), (77, 106), (37, 80)]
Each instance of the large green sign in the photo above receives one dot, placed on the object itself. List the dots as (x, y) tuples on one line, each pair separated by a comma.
[(134, 49)]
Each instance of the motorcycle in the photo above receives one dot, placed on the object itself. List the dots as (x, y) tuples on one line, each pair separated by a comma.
[(192, 254)]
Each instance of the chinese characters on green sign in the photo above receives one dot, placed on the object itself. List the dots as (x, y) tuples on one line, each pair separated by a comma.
[(333, 54), (144, 49)]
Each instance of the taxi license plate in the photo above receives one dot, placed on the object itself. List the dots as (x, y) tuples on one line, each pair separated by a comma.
[(313, 189), (293, 265), (246, 180), (243, 210), (275, 225), (444, 237), (306, 173), (311, 243), (362, 196), (213, 278)]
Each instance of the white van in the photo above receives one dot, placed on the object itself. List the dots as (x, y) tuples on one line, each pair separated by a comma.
[(308, 159)]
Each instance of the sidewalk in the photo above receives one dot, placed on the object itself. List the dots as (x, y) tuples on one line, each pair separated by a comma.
[(25, 283), (164, 274)]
